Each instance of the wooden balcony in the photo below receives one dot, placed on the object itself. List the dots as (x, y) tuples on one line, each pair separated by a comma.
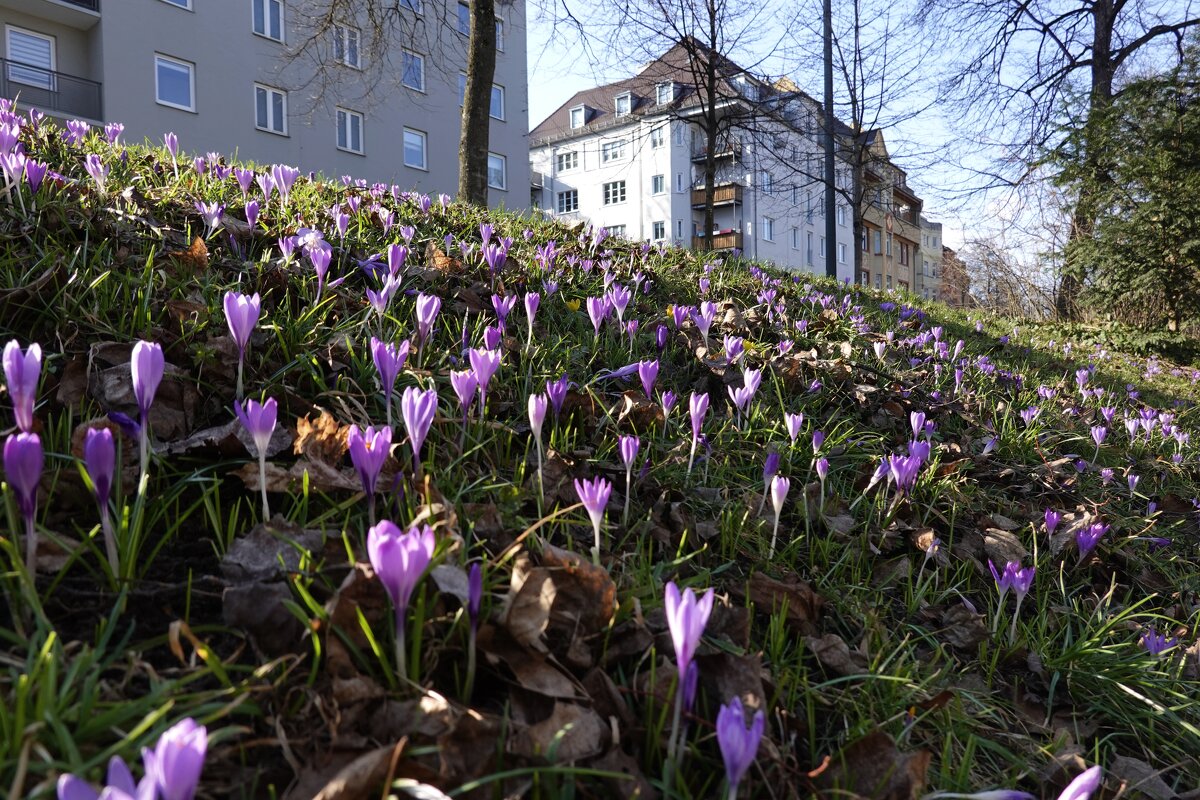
[(726, 148), (720, 241), (724, 195)]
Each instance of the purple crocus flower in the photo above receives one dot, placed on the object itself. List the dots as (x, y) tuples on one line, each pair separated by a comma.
[(648, 373), (704, 317), (380, 300), (283, 177), (793, 422), (667, 401), (175, 763), (241, 314), (474, 593), (503, 306), (99, 459), (779, 492), (679, 314), (698, 407), (492, 335), (660, 338), (485, 363), (428, 307), (418, 409), (537, 418), (628, 446), (97, 169), (532, 301), (146, 365), (687, 616), (619, 296), (120, 785), (597, 308), (259, 421), (1087, 538), (917, 420), (1156, 643), (23, 461), (171, 141), (1132, 480), (21, 372), (1053, 518), (594, 495), (320, 258), (400, 558), (35, 173), (369, 450), (389, 360), (396, 256), (211, 214), (465, 383), (818, 439), (739, 744), (556, 391), (822, 469)]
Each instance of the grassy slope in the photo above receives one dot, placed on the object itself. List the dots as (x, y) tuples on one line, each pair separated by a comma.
[(893, 647)]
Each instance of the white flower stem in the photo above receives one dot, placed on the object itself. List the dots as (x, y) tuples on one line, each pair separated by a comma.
[(774, 537), (110, 539), (30, 547), (262, 483)]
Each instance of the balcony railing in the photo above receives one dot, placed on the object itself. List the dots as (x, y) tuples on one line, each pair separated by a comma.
[(730, 193), (726, 148), (720, 241), (50, 91), (90, 5)]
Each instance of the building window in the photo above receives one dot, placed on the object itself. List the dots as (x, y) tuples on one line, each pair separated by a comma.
[(174, 83), (497, 171), (822, 253), (679, 181), (34, 50), (841, 214), (679, 135), (795, 238), (889, 282), (270, 109), (658, 185), (414, 149), (889, 244), (578, 117), (623, 104), (841, 253), (679, 229), (878, 281), (614, 193), (412, 70), (764, 181), (657, 137), (617, 230), (181, 3), (659, 231), (499, 36), (866, 278), (568, 201), (268, 18), (567, 161), (808, 248), (768, 229), (878, 245), (411, 5), (865, 237), (350, 131), (464, 19), (345, 46), (497, 107), (612, 151), (664, 93), (904, 253)]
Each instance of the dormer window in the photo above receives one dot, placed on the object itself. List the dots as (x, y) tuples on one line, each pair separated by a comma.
[(664, 93), (624, 103), (578, 116)]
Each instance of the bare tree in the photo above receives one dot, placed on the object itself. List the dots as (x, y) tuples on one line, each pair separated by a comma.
[(348, 49), (1031, 71), (1001, 281)]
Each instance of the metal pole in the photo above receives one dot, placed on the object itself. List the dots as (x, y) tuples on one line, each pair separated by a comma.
[(830, 188)]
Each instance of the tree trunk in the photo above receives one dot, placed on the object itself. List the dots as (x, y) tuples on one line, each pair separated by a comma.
[(1083, 218), (477, 103)]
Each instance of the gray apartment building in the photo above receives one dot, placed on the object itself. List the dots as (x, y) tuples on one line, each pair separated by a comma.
[(300, 82)]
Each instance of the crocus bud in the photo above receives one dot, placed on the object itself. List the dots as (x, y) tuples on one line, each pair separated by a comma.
[(99, 458), (21, 372), (146, 367)]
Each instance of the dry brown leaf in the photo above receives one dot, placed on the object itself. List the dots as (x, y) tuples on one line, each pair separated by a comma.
[(835, 655), (436, 258), (570, 733), (192, 260), (963, 628), (362, 778), (874, 768), (322, 439), (803, 605)]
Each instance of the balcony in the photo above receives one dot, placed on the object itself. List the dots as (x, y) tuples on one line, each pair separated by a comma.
[(722, 240), (723, 195), (55, 93), (727, 147), (80, 14)]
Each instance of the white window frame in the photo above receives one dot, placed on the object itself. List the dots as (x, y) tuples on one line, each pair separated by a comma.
[(582, 111), (613, 151), (341, 38), (344, 117), (764, 181), (270, 90), (795, 238), (627, 97), (560, 204), (658, 230), (191, 71), (614, 192), (618, 230), (568, 157), (15, 66), (458, 26), (841, 252), (679, 182), (768, 229), (492, 102), (419, 59), (186, 5), (266, 32), (424, 139), (669, 88), (499, 35), (503, 185), (658, 137), (415, 6), (841, 214), (658, 184)]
